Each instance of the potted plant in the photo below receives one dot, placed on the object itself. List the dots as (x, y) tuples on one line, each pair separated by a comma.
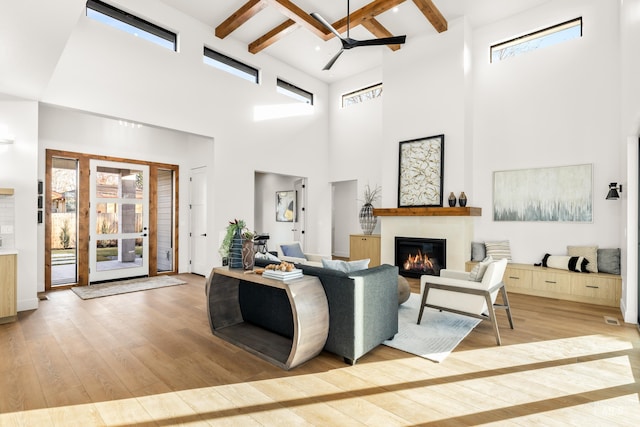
[(367, 220)]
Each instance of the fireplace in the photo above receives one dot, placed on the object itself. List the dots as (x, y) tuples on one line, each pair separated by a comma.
[(417, 256)]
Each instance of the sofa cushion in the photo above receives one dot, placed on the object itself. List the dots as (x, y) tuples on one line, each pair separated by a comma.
[(478, 251), (609, 260), (565, 262), (477, 272), (498, 250), (292, 250), (588, 252), (346, 266)]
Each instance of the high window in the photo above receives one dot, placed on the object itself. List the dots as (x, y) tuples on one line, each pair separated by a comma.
[(230, 65), (131, 24), (362, 95), (294, 92), (547, 37)]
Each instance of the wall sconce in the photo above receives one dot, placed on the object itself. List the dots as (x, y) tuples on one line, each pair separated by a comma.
[(613, 191)]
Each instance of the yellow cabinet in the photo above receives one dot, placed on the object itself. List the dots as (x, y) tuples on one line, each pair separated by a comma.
[(363, 246), (8, 288)]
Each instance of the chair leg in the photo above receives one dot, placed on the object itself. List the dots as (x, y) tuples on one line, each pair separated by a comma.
[(424, 301), (507, 307), (492, 317)]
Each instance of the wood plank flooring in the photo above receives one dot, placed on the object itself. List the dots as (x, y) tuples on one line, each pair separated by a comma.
[(149, 359)]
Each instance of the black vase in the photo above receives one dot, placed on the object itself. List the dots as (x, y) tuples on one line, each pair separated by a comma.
[(462, 200), (452, 200)]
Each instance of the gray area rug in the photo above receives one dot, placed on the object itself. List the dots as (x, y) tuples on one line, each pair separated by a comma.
[(435, 337), (125, 286)]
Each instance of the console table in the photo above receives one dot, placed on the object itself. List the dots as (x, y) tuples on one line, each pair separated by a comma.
[(309, 308)]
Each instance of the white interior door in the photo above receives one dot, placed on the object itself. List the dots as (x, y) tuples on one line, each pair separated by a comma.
[(198, 220), (118, 221)]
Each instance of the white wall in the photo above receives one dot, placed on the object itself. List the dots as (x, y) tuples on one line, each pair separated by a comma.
[(556, 106), (552, 107), (18, 170)]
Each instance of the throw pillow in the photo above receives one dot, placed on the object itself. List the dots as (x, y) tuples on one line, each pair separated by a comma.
[(267, 256), (477, 272), (292, 250), (609, 260), (498, 250), (478, 251), (564, 262), (589, 252), (344, 266)]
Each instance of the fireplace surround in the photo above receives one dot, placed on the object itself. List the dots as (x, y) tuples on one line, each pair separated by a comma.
[(415, 256)]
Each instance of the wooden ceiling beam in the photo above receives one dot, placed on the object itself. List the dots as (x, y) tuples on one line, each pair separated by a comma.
[(377, 29), (273, 36), (239, 17), (432, 13), (300, 17), (365, 13)]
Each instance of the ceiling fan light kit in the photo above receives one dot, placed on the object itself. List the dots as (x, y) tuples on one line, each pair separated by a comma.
[(349, 43)]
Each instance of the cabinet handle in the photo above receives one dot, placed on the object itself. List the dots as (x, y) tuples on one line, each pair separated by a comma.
[(594, 287), (514, 277), (550, 281)]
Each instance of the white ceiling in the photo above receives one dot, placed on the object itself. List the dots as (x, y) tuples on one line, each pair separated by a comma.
[(307, 52)]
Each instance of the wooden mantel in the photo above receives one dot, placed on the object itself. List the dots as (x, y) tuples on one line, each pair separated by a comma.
[(437, 211)]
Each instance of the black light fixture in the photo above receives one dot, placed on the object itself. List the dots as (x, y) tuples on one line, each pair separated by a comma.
[(613, 191)]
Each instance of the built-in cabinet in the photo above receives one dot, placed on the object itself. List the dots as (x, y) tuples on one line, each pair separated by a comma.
[(592, 288), (362, 246), (8, 282)]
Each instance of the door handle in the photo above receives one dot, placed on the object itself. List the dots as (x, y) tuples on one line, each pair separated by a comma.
[(204, 235), (144, 235)]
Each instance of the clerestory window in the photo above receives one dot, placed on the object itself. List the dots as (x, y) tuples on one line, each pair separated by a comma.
[(131, 24), (230, 65), (362, 95), (547, 37)]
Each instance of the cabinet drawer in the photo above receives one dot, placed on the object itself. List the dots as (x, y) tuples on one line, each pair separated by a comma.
[(516, 279), (598, 288), (552, 282)]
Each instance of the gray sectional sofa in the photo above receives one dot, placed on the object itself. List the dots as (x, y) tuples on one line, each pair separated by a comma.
[(363, 308)]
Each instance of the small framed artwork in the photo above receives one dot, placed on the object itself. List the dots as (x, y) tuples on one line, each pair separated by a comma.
[(286, 206), (421, 172)]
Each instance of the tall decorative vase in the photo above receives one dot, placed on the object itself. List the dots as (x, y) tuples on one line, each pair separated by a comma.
[(235, 251), (248, 254), (367, 220)]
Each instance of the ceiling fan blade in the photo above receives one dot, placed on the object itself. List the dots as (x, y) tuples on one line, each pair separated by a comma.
[(381, 42), (326, 24), (333, 60)]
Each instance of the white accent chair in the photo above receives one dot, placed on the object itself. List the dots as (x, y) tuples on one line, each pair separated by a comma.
[(454, 291), (306, 258)]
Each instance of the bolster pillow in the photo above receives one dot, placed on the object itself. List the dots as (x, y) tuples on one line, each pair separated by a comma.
[(563, 262)]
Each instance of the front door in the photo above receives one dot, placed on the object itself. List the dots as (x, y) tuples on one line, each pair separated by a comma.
[(118, 221)]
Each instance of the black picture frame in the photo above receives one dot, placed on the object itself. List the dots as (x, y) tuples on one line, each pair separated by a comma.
[(421, 172)]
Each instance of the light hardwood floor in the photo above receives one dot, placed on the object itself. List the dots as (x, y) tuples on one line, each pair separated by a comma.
[(149, 358)]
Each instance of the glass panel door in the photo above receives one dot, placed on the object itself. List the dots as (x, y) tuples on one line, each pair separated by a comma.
[(64, 221), (119, 220)]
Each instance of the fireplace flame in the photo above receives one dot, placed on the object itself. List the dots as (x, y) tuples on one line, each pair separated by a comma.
[(419, 261)]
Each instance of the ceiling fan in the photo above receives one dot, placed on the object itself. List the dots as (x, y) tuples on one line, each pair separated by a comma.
[(349, 43)]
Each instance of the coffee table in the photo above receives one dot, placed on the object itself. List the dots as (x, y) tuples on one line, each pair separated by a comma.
[(309, 309)]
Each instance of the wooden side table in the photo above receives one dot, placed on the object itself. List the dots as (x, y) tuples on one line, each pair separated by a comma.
[(309, 308)]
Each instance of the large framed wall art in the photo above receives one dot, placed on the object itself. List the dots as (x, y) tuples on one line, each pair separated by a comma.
[(421, 172), (560, 194), (286, 206)]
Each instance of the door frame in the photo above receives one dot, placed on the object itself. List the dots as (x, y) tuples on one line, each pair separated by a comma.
[(82, 210)]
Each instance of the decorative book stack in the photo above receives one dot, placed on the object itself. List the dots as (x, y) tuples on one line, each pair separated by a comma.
[(283, 275)]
